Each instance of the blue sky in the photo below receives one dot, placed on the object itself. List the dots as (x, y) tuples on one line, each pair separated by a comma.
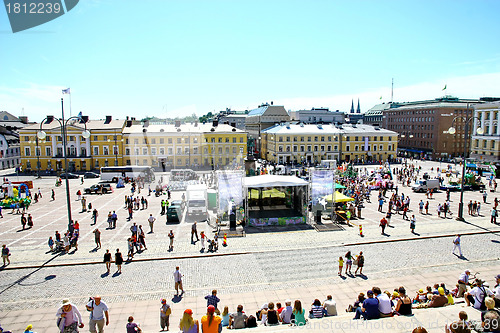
[(174, 58)]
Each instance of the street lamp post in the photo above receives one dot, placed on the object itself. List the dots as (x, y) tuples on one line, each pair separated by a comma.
[(64, 123), (452, 131)]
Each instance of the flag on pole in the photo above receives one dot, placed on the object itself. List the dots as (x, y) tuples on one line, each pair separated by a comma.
[(444, 87), (66, 91)]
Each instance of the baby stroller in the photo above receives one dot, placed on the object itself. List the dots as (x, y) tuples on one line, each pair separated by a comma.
[(58, 246), (212, 246)]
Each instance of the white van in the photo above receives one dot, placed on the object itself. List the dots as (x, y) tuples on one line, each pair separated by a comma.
[(425, 184)]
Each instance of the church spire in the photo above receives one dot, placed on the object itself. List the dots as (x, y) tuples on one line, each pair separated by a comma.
[(358, 110), (352, 106)]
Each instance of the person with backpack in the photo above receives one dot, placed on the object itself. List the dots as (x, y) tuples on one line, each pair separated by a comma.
[(477, 296)]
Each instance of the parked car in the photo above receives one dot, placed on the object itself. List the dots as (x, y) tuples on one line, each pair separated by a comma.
[(98, 189), (90, 174), (175, 210), (70, 175)]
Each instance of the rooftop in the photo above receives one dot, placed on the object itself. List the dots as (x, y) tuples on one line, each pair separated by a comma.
[(327, 129)]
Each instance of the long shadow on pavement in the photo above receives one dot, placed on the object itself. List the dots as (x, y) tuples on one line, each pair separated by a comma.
[(20, 280)]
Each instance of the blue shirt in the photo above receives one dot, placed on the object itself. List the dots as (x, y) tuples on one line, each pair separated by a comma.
[(371, 308), (212, 300)]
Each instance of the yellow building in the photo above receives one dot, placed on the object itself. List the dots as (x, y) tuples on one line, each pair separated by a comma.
[(104, 146), (308, 143), (184, 145), (486, 146)]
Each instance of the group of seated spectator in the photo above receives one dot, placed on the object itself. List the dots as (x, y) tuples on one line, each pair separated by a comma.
[(378, 304), (275, 314)]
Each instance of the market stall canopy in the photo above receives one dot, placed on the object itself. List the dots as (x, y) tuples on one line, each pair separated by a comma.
[(339, 197), (273, 181), (339, 186)]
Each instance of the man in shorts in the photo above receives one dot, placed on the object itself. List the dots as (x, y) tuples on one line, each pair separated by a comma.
[(178, 281)]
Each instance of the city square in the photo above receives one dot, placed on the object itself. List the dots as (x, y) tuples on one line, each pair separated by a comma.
[(295, 262), (203, 166)]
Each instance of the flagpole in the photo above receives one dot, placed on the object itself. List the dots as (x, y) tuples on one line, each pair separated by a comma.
[(70, 114)]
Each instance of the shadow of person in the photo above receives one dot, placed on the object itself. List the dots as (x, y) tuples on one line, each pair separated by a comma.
[(177, 298)]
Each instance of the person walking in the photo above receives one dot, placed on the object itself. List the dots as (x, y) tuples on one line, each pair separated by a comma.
[(23, 221), (456, 245), (5, 255), (194, 232), (165, 312), (30, 221), (421, 207), (427, 208), (69, 318), (98, 311), (53, 195), (178, 281), (413, 221), (118, 261), (485, 195), (383, 224), (162, 207), (494, 215), (380, 204), (151, 221), (361, 263), (171, 237), (97, 236), (107, 260), (95, 213), (202, 236)]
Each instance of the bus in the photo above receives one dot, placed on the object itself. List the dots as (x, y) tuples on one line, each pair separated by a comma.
[(113, 173)]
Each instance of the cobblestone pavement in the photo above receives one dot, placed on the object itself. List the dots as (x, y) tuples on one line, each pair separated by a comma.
[(262, 263)]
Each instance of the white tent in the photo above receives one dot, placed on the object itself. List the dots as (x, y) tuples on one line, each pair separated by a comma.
[(273, 181)]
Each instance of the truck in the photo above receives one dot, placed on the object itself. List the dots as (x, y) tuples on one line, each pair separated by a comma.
[(425, 184), (197, 200)]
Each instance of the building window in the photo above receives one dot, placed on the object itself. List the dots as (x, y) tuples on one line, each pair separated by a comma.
[(96, 138), (127, 151), (162, 151), (153, 151), (381, 148), (234, 140), (162, 141), (105, 150), (96, 150), (301, 148), (169, 140), (27, 151), (144, 151), (48, 151), (170, 150)]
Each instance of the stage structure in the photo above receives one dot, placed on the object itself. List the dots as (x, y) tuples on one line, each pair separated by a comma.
[(230, 196), (321, 186), (276, 200)]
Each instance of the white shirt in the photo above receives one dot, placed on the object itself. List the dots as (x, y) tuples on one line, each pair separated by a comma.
[(478, 294), (330, 307), (384, 305), (177, 276), (464, 277), (151, 219), (98, 312), (496, 291)]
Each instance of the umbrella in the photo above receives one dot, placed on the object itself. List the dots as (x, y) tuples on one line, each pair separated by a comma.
[(339, 197), (339, 186)]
